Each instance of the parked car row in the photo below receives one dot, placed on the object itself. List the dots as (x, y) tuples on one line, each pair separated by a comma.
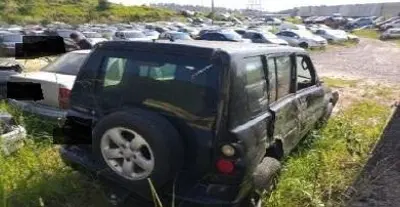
[(95, 33)]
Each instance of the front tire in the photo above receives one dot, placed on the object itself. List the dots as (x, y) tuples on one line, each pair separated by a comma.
[(132, 146)]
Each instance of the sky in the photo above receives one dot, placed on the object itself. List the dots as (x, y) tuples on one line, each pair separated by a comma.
[(269, 5)]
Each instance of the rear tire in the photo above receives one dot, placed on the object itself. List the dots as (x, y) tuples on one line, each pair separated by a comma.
[(132, 146), (324, 119), (265, 183)]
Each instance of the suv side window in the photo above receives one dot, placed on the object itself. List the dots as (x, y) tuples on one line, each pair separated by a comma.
[(255, 85), (114, 68), (305, 75), (283, 70)]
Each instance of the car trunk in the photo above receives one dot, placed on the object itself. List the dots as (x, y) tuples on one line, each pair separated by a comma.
[(50, 84)]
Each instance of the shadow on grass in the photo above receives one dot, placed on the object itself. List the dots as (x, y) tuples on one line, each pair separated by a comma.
[(65, 188), (378, 184)]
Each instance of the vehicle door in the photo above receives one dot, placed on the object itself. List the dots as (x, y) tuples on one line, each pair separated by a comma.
[(321, 33), (282, 99), (395, 33), (208, 36), (250, 117), (290, 37), (309, 94)]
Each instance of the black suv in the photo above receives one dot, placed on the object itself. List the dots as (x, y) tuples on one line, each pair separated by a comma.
[(205, 123)]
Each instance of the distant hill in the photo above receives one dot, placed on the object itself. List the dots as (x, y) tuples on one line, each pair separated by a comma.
[(77, 11)]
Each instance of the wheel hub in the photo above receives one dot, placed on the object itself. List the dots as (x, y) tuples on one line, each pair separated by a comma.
[(127, 153)]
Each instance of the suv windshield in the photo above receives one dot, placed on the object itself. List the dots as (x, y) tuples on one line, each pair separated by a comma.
[(67, 64), (134, 35)]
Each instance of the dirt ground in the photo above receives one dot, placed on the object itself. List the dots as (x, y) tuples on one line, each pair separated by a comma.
[(371, 60), (372, 64)]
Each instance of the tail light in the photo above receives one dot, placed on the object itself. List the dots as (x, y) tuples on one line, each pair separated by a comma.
[(228, 156), (63, 97), (225, 166)]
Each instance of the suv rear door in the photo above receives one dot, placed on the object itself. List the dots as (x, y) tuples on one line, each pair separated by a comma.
[(283, 99), (309, 94)]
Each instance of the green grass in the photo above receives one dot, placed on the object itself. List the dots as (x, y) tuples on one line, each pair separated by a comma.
[(294, 20), (77, 11), (328, 161), (367, 33), (339, 83), (36, 176)]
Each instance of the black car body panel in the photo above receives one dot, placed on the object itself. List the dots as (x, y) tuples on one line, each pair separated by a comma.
[(207, 116)]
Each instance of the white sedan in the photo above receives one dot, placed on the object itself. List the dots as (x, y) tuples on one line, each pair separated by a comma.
[(56, 80)]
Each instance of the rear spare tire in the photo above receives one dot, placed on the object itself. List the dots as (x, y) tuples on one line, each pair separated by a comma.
[(132, 146)]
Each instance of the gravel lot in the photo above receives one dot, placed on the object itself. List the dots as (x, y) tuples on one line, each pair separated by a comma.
[(371, 59)]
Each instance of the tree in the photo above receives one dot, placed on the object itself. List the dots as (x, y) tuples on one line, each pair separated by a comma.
[(103, 5)]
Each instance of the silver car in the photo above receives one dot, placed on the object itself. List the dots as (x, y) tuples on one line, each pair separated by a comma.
[(131, 35), (56, 80), (264, 37), (393, 33), (332, 35), (302, 38)]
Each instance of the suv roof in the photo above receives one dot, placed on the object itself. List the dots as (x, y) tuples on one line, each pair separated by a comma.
[(199, 47)]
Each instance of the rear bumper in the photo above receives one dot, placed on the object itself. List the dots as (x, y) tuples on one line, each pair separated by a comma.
[(188, 193), (317, 45), (46, 112)]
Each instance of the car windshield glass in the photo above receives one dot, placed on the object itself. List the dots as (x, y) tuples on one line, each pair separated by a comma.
[(67, 64), (64, 34), (92, 35), (12, 38), (232, 35), (305, 33), (269, 35), (134, 35)]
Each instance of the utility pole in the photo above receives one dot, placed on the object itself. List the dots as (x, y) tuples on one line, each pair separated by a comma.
[(212, 12)]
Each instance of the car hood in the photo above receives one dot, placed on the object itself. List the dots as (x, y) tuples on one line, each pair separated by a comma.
[(316, 38), (277, 41), (96, 40), (139, 39)]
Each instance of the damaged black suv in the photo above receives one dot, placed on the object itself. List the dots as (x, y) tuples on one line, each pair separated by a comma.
[(205, 123)]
